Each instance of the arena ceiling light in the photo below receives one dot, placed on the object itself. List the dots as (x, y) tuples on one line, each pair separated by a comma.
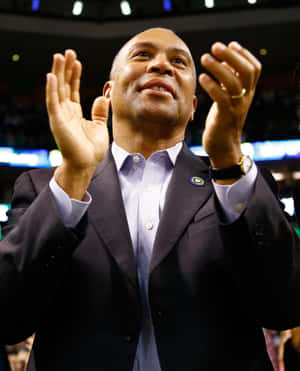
[(209, 3), (77, 8), (167, 5), (125, 8), (35, 5)]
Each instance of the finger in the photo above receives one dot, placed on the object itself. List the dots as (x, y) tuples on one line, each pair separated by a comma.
[(230, 68), (245, 69), (223, 74), (70, 58), (58, 69), (213, 89), (100, 110), (249, 56), (52, 100), (75, 82)]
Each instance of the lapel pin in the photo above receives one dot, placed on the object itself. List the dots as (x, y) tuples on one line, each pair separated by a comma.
[(197, 181)]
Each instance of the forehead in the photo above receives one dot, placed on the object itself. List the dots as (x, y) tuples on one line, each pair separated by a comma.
[(158, 37)]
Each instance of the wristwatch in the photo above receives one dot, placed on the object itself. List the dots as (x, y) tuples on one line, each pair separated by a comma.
[(232, 172)]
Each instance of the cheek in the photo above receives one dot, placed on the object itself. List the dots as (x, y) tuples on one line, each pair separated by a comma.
[(189, 93), (189, 85), (129, 76)]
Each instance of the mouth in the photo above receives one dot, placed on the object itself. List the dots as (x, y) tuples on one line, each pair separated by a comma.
[(158, 87)]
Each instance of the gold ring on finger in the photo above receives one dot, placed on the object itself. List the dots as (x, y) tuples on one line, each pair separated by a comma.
[(239, 96)]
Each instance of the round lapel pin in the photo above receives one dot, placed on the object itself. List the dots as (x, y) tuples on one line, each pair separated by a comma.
[(197, 181)]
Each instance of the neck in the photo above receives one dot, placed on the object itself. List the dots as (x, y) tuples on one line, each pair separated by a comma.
[(146, 139)]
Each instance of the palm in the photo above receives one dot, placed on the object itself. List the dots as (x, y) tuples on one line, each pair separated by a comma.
[(82, 142)]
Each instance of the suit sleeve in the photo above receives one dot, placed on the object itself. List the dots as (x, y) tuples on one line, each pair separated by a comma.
[(263, 255), (34, 258)]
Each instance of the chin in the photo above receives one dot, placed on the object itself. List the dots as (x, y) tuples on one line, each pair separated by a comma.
[(158, 114), (164, 118)]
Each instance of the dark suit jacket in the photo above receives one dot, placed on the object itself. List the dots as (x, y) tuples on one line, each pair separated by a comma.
[(212, 285)]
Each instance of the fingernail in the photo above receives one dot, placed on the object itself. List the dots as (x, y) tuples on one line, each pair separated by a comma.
[(236, 45), (206, 58), (204, 78), (219, 47)]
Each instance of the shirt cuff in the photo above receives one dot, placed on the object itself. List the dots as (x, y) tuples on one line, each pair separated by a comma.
[(71, 211), (234, 198)]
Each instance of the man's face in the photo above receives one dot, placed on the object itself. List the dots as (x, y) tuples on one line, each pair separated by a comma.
[(154, 80)]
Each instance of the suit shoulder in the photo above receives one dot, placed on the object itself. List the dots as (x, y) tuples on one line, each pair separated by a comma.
[(37, 177)]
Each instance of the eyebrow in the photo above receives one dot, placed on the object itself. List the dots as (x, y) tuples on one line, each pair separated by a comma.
[(147, 44)]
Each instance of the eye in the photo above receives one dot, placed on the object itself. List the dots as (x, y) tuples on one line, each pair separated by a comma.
[(142, 53), (178, 60)]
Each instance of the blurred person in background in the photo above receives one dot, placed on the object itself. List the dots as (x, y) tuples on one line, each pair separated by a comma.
[(289, 347), (142, 256), (4, 365), (19, 354)]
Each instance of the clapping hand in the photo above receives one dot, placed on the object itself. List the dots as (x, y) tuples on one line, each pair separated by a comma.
[(236, 72), (83, 143)]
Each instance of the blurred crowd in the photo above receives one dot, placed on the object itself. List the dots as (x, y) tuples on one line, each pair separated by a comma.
[(274, 115)]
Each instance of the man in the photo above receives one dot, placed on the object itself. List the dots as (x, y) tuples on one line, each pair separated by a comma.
[(130, 257)]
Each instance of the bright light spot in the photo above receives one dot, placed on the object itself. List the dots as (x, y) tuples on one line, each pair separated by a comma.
[(77, 8), (248, 149), (263, 51), (209, 3), (278, 176), (296, 174), (125, 8), (35, 5), (15, 57), (252, 2), (55, 157), (289, 205), (167, 5), (3, 210), (198, 150)]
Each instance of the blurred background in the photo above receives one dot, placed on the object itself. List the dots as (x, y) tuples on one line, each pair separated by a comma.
[(31, 31)]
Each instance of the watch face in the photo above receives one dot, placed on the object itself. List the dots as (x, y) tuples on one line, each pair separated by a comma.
[(246, 164)]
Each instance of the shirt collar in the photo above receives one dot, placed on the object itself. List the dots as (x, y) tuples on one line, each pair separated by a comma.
[(120, 155)]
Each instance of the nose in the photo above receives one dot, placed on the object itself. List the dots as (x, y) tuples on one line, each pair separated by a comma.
[(160, 64)]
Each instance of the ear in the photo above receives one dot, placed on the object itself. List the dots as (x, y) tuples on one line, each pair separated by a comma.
[(107, 89), (195, 102)]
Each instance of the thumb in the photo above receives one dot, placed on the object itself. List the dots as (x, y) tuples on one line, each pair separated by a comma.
[(100, 110)]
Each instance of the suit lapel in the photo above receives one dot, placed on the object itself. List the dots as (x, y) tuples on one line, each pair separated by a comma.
[(183, 200), (107, 214)]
